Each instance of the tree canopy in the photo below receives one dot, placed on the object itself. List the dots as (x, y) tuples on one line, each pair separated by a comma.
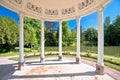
[(32, 33), (8, 33), (91, 35), (112, 33)]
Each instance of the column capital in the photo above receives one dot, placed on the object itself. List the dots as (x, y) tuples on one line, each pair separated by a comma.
[(42, 19), (60, 20), (100, 8), (21, 14), (78, 17)]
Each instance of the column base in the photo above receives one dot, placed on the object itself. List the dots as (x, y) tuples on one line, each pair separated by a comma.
[(20, 65), (100, 69), (78, 60), (60, 58), (42, 60)]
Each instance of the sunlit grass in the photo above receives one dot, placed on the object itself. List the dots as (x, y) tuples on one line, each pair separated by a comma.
[(108, 50), (111, 62), (11, 53)]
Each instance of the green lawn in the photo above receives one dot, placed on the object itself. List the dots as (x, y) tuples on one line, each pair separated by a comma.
[(111, 62), (71, 52), (114, 66), (108, 50), (11, 53)]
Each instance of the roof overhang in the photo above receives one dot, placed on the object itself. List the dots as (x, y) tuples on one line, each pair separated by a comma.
[(54, 9)]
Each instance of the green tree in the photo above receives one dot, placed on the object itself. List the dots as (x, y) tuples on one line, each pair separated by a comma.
[(36, 25), (30, 37), (73, 37), (50, 34), (107, 22), (91, 35), (112, 33), (50, 38), (8, 34), (65, 33)]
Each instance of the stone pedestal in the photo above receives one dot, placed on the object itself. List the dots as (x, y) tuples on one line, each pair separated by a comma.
[(42, 59), (100, 69), (78, 60), (20, 65), (60, 58)]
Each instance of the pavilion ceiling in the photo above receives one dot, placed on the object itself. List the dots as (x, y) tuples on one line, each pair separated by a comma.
[(54, 9)]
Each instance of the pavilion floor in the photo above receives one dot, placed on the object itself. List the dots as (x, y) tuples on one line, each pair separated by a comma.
[(52, 69)]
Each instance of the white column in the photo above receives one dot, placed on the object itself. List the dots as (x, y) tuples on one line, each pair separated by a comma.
[(78, 58), (100, 37), (60, 40), (42, 41), (21, 41)]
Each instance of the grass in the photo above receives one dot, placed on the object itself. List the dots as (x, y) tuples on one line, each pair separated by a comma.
[(53, 51), (11, 53), (56, 49), (112, 51), (111, 62), (114, 66), (108, 50)]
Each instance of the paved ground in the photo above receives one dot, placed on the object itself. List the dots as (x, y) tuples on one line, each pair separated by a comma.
[(112, 72), (53, 70), (7, 66)]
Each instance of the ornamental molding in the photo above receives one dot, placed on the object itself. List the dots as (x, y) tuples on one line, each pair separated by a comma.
[(85, 3), (68, 10), (51, 12), (38, 10), (35, 8), (18, 1)]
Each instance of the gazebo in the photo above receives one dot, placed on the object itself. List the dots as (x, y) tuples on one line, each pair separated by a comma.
[(59, 10)]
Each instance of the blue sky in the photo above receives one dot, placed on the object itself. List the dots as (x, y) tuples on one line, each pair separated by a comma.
[(91, 20)]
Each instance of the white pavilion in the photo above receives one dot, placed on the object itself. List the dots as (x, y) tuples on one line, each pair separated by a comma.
[(59, 10)]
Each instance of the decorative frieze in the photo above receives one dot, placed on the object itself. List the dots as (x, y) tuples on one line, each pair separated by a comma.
[(68, 11), (18, 1), (34, 7), (51, 12), (55, 12), (84, 4)]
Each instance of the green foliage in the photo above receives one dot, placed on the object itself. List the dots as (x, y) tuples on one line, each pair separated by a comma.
[(31, 31), (68, 36), (29, 35), (91, 35), (107, 22), (51, 34), (50, 38), (8, 34), (112, 33), (65, 33)]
